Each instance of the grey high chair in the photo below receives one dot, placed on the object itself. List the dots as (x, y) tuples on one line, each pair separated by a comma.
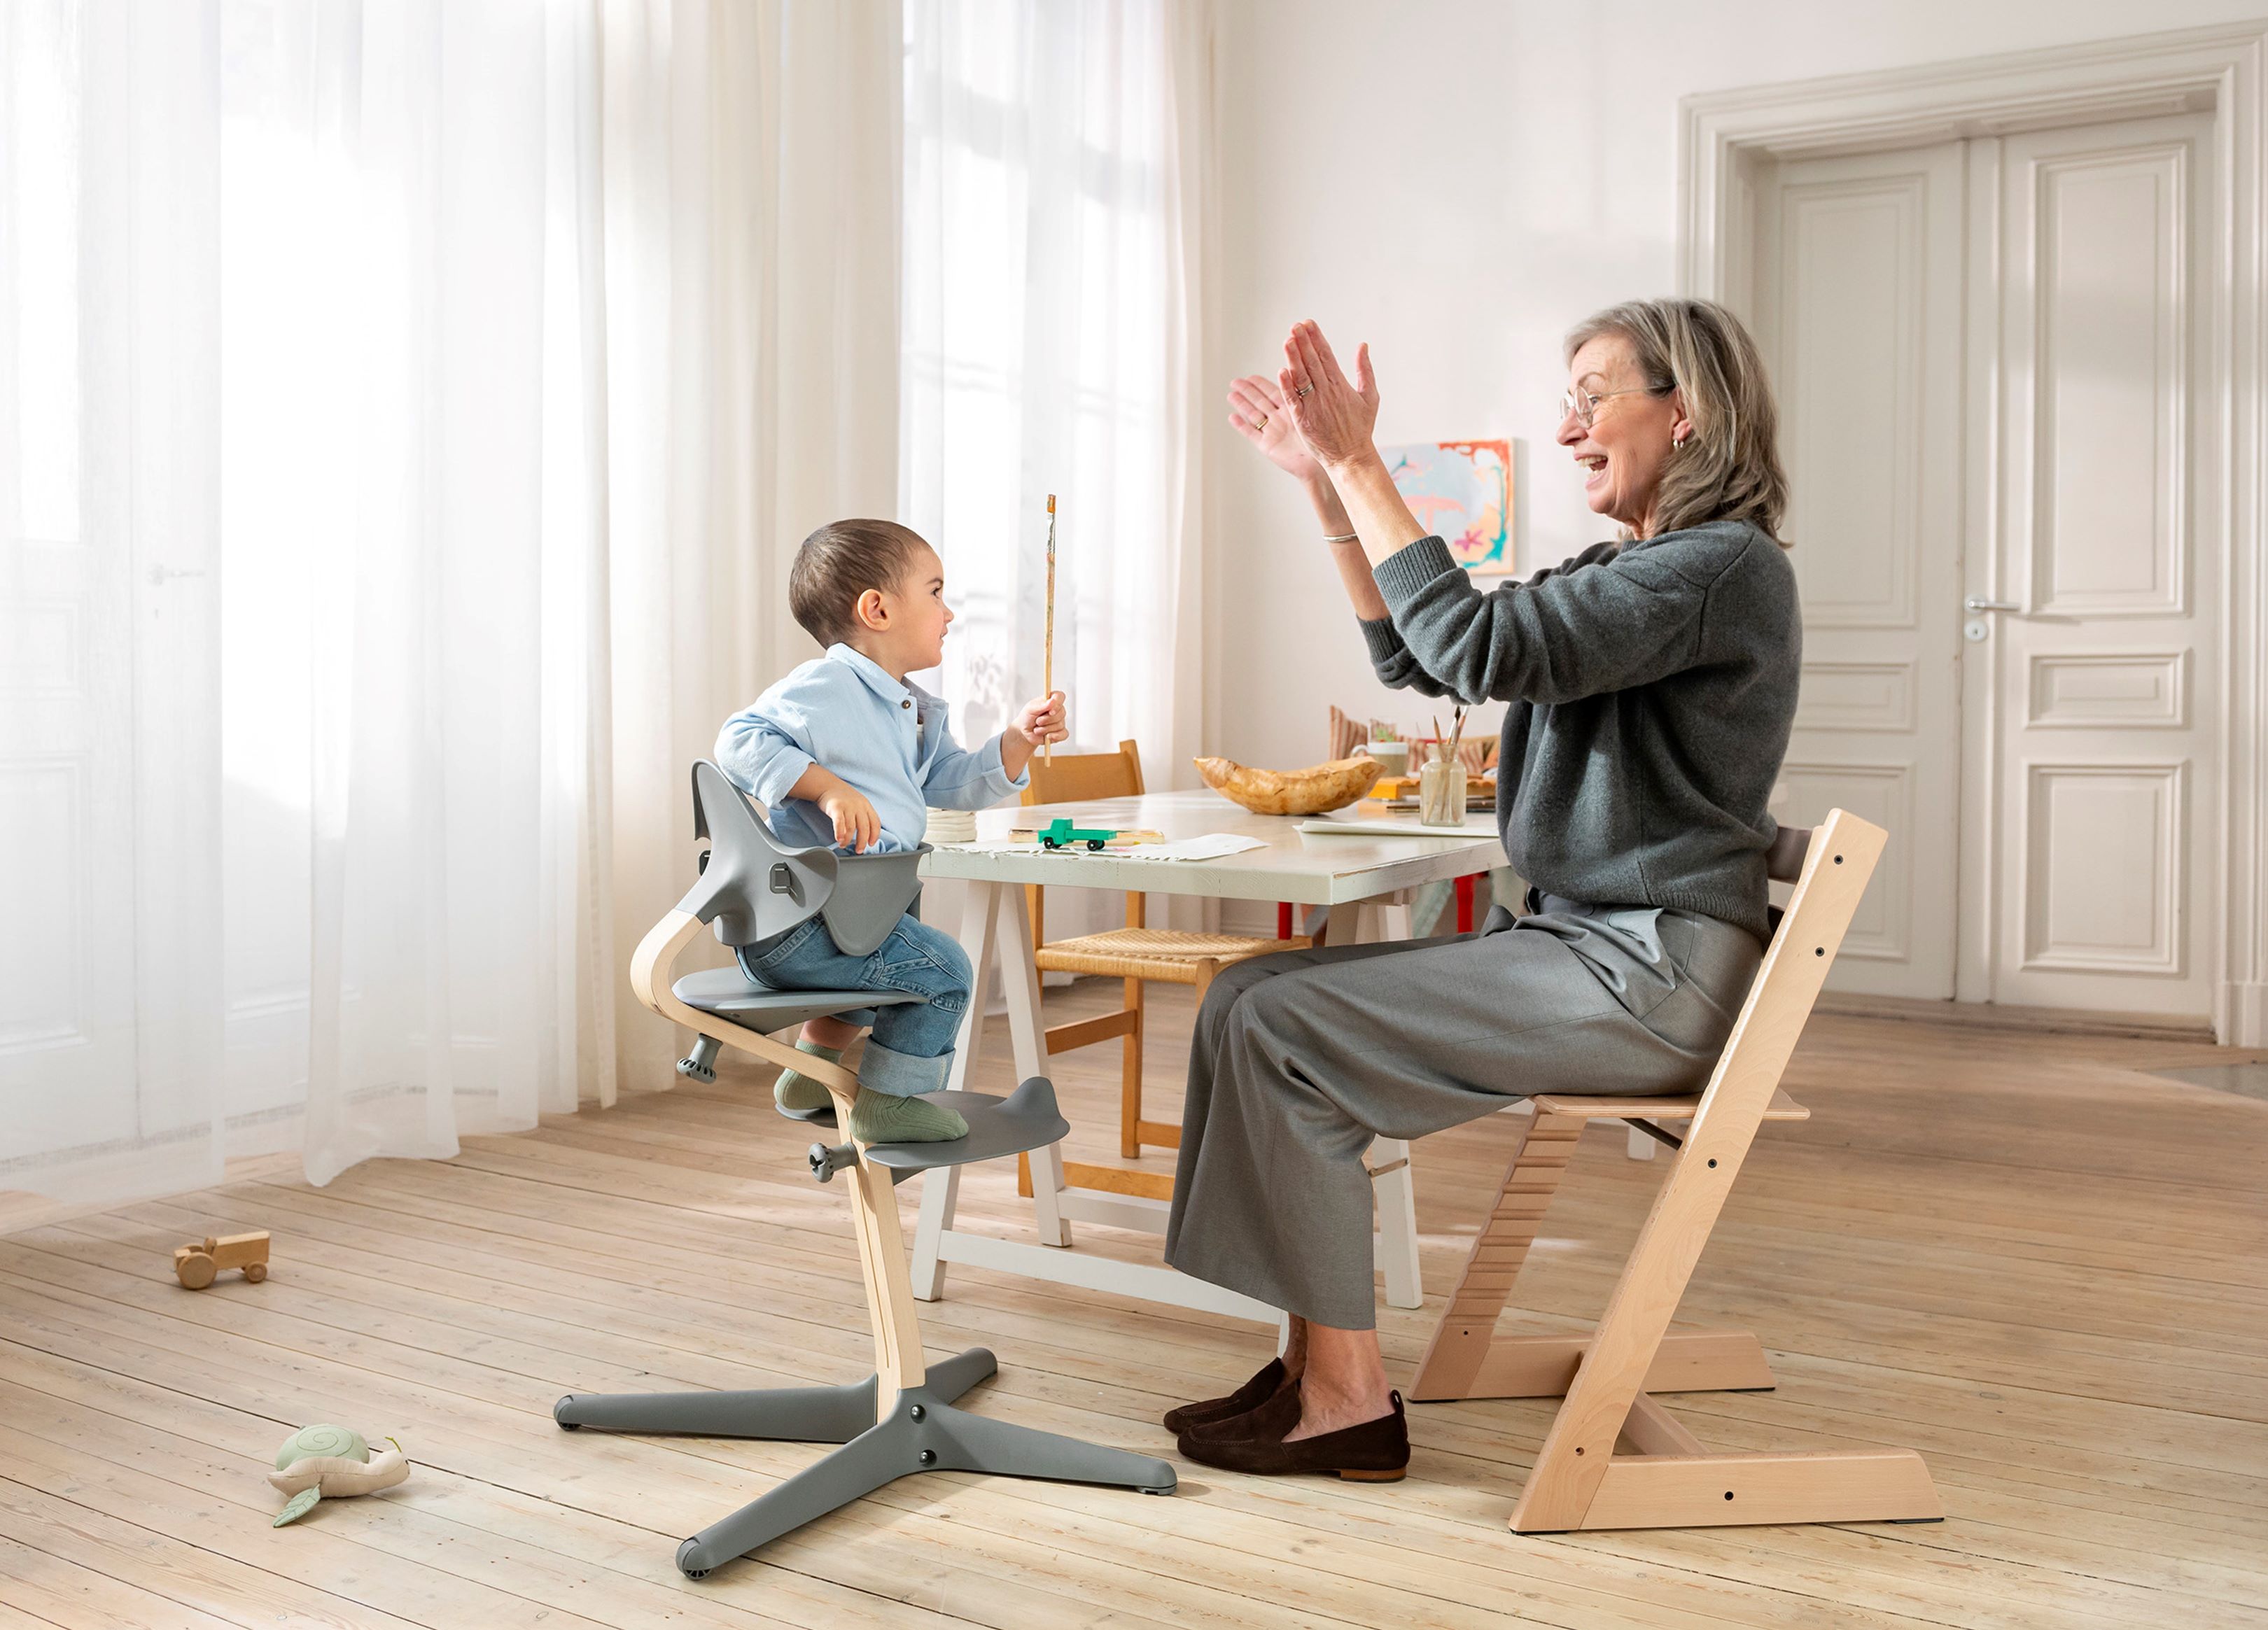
[(901, 1418)]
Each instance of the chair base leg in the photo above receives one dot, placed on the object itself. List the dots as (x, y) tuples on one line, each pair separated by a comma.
[(797, 1414), (1726, 1490), (922, 1433)]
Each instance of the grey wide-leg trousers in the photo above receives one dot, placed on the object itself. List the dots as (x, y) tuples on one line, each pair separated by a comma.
[(1299, 1058)]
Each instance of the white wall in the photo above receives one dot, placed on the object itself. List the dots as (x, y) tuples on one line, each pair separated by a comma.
[(1458, 182)]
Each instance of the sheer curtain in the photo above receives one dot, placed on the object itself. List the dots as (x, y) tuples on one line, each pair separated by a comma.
[(398, 432), (1053, 231)]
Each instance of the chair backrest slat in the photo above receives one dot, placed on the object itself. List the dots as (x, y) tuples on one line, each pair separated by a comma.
[(1082, 777)]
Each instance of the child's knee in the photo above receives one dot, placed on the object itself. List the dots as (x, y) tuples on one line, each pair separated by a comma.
[(949, 975)]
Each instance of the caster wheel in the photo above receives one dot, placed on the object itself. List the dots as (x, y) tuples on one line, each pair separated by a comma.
[(684, 1563), (571, 1426), (255, 1272)]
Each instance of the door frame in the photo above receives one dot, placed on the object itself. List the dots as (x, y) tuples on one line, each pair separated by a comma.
[(2222, 71)]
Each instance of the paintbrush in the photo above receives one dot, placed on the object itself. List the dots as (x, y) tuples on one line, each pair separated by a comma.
[(1048, 679)]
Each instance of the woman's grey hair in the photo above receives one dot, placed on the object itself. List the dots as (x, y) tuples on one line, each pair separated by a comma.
[(1728, 468)]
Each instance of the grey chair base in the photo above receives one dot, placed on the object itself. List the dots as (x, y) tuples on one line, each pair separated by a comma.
[(924, 1433)]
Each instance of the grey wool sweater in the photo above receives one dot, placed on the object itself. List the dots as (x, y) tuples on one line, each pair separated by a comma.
[(1653, 686)]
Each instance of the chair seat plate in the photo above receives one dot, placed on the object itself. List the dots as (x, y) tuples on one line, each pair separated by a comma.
[(1170, 955), (1782, 1107), (730, 994)]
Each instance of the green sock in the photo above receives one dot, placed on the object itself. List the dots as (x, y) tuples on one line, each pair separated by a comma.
[(882, 1118), (800, 1092)]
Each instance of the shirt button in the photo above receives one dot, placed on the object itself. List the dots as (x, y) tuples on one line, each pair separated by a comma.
[(907, 702)]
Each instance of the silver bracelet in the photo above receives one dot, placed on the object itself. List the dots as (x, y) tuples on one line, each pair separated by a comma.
[(1346, 537)]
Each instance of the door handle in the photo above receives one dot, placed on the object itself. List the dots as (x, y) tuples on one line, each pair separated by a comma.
[(1977, 603)]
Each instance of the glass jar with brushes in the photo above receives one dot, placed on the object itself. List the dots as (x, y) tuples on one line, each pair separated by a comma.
[(1441, 782)]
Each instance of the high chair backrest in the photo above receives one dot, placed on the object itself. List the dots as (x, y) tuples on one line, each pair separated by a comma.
[(752, 887)]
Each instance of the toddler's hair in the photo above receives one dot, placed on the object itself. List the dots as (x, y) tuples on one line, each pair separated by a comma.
[(840, 561)]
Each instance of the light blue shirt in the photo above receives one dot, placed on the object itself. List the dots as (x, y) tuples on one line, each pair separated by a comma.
[(890, 740)]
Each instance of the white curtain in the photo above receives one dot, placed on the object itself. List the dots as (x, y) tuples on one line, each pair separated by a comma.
[(1053, 231), (399, 431)]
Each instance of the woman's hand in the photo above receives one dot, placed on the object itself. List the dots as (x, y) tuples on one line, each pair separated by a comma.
[(1257, 413), (1334, 416)]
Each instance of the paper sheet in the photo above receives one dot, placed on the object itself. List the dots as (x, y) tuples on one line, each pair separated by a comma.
[(1212, 845)]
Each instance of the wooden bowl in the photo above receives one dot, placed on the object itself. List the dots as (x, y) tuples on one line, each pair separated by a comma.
[(1316, 790)]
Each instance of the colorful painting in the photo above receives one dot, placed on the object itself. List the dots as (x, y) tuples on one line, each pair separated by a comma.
[(1462, 491)]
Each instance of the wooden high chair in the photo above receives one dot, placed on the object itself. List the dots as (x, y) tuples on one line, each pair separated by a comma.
[(1135, 953), (903, 1418), (1615, 1457)]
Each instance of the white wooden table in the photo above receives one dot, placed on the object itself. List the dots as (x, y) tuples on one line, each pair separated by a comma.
[(1365, 878)]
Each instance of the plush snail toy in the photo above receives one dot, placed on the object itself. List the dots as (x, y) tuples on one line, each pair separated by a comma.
[(320, 1460)]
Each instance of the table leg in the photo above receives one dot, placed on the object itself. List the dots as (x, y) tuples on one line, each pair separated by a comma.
[(1022, 983), (1398, 1222), (979, 920), (941, 1194), (1464, 886)]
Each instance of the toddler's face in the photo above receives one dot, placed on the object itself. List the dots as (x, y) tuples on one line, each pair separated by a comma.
[(918, 614)]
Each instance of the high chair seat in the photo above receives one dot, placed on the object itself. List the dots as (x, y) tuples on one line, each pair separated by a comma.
[(730, 994)]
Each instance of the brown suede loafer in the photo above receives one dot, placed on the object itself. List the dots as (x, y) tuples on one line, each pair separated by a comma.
[(1245, 1400), (1376, 1452)]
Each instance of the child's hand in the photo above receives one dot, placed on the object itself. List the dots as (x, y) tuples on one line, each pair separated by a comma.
[(855, 823), (1042, 721)]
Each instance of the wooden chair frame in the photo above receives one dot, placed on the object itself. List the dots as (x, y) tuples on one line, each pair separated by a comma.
[(1615, 1457)]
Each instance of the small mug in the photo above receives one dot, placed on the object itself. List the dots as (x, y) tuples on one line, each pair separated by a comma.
[(1393, 757)]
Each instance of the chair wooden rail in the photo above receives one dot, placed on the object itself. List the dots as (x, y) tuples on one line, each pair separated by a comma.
[(1615, 1457)]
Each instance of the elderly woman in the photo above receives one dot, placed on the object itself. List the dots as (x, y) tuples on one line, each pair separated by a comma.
[(1653, 684)]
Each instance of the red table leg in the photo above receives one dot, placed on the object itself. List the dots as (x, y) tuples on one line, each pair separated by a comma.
[(1465, 905), (1283, 919)]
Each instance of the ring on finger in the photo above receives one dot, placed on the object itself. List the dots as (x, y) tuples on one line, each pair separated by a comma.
[(1261, 423), (1305, 390)]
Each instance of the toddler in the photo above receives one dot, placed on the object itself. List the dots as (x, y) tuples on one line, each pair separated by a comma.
[(845, 753)]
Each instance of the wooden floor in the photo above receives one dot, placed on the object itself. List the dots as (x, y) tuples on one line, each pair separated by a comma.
[(2018, 1253)]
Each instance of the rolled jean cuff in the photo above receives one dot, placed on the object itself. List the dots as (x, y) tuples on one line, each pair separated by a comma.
[(901, 1075)]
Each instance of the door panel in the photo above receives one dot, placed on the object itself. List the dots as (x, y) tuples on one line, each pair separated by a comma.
[(2095, 751), (1858, 291)]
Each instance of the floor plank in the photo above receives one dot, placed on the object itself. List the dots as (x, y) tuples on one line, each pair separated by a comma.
[(2026, 1255)]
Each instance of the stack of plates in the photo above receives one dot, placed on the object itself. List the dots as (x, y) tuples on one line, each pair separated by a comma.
[(951, 827)]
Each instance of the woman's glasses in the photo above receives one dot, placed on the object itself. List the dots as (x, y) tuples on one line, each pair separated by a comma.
[(1585, 404)]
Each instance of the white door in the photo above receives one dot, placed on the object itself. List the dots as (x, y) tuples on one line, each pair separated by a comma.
[(1859, 288), (2091, 722)]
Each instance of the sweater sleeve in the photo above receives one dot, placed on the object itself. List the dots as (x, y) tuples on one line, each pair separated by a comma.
[(1603, 622), (1390, 658)]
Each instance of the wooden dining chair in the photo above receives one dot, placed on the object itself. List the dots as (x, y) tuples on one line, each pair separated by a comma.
[(1615, 1457), (1137, 954)]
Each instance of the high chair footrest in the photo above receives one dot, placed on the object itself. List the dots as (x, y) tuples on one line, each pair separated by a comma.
[(1026, 1119)]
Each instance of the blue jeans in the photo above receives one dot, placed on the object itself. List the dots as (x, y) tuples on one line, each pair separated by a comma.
[(911, 1049)]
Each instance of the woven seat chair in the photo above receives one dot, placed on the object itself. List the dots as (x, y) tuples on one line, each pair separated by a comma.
[(1136, 954)]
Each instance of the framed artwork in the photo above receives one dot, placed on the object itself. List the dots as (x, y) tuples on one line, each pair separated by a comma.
[(1461, 490)]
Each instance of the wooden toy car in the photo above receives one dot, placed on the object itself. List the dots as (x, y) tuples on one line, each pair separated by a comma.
[(1061, 834), (1064, 833), (195, 1265)]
